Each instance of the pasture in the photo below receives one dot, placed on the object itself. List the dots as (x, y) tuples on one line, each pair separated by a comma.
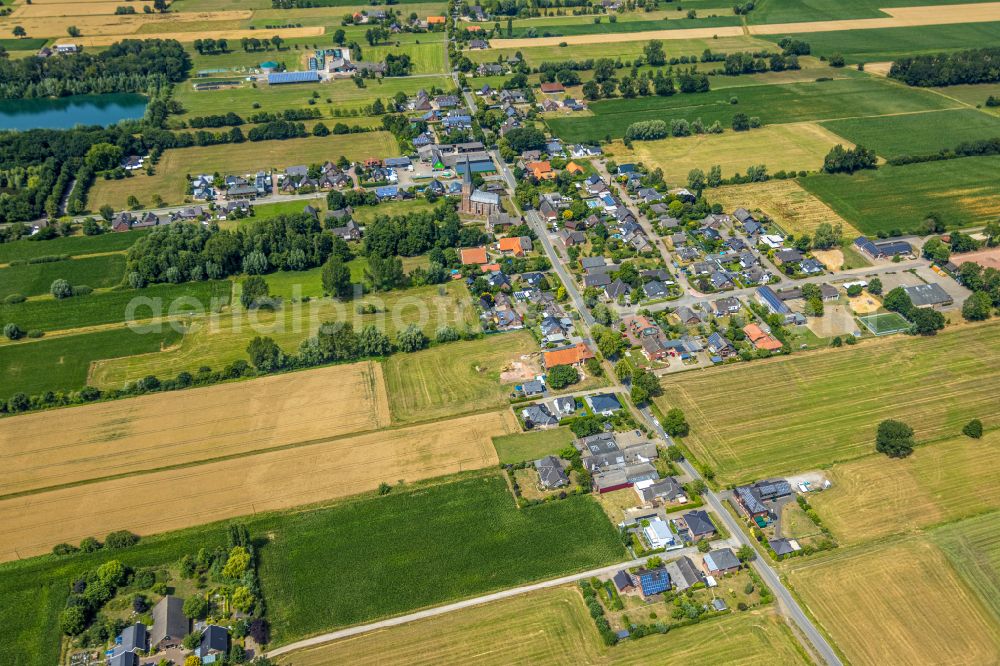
[(789, 147), (794, 209), (68, 446), (781, 11), (532, 445), (217, 340), (70, 245), (170, 182), (35, 279), (962, 191), (874, 497), (561, 26), (973, 547), (116, 306), (175, 498), (553, 627), (935, 384), (62, 363), (454, 378), (787, 103), (905, 593), (447, 541), (918, 133)]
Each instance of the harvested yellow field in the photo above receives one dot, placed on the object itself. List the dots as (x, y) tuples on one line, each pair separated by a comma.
[(553, 627), (787, 147), (878, 68), (38, 9), (103, 29), (900, 603), (877, 496), (795, 209), (231, 35), (619, 37), (67, 446), (177, 498)]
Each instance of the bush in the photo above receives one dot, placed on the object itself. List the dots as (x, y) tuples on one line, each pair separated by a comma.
[(61, 289), (121, 539), (13, 332), (973, 429), (14, 299)]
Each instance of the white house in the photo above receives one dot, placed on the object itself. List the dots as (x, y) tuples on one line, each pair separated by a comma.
[(658, 534)]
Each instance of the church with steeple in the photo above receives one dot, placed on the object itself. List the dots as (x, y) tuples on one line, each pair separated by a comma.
[(476, 202)]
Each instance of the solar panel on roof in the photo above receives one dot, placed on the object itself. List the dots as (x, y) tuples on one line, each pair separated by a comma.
[(293, 77)]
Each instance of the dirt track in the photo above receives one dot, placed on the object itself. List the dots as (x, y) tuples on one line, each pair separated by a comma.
[(194, 495), (48, 449), (899, 17)]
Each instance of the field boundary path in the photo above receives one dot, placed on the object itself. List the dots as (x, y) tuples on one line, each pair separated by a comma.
[(899, 17)]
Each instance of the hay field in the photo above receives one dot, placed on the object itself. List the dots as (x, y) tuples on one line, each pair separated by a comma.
[(218, 340), (453, 378), (874, 497), (796, 210), (66, 446), (553, 627), (898, 603), (173, 499), (973, 546), (170, 183), (918, 133), (809, 410)]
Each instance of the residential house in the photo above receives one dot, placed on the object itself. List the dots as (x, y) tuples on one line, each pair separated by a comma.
[(538, 416), (770, 299), (470, 256), (726, 306), (667, 489), (721, 561), (720, 280), (698, 525), (687, 316), (761, 340), (655, 289), (514, 246), (550, 473), (214, 641), (751, 499), (604, 404), (617, 289), (574, 355), (552, 88), (533, 387), (783, 547), (719, 345), (623, 581), (618, 478), (349, 232), (498, 221), (652, 581), (657, 532), (134, 637), (565, 406), (541, 170), (684, 574), (811, 266), (170, 625), (124, 659)]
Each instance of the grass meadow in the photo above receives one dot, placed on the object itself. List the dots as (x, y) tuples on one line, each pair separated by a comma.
[(962, 191), (935, 384), (70, 245), (917, 133), (62, 363), (109, 307), (973, 547), (554, 627), (36, 279), (170, 180), (781, 11), (453, 379), (383, 556), (561, 26), (532, 445), (796, 102), (874, 497)]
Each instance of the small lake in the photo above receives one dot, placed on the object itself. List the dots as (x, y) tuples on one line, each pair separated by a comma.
[(67, 112)]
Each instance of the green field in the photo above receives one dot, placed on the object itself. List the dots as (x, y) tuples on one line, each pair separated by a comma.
[(532, 445), (879, 44), (917, 133), (453, 379), (218, 341), (806, 411), (384, 556), (561, 26), (842, 98), (963, 192), (170, 181), (61, 364), (36, 279), (786, 11), (973, 548), (107, 307), (71, 245)]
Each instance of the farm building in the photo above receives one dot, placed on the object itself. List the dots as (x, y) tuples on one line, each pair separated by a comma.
[(281, 78), (932, 295), (884, 249)]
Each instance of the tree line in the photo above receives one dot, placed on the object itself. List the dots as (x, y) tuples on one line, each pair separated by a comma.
[(948, 69)]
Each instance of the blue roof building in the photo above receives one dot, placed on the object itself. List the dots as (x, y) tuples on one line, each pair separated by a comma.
[(772, 301), (387, 192), (279, 78), (652, 581)]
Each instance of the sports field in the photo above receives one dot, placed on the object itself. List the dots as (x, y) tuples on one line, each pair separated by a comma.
[(874, 497), (109, 307), (48, 449), (170, 182), (454, 378), (787, 103), (806, 411), (447, 541), (973, 547), (217, 340), (172, 499), (532, 445), (553, 627), (897, 603), (918, 133), (35, 279), (885, 323), (788, 147), (793, 208), (963, 192), (62, 363)]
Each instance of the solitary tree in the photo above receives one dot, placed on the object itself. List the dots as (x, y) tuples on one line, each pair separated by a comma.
[(12, 331), (894, 438), (973, 429), (336, 277), (19, 31), (746, 553), (675, 424), (562, 376), (60, 288)]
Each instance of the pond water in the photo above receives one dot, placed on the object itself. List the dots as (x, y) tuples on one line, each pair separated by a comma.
[(67, 112)]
